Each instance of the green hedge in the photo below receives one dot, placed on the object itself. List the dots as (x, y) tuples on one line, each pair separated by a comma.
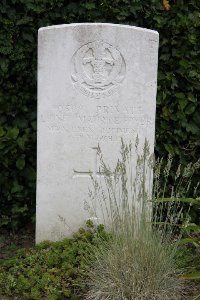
[(178, 109)]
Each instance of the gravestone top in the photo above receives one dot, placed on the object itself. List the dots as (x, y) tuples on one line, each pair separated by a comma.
[(96, 84), (97, 25)]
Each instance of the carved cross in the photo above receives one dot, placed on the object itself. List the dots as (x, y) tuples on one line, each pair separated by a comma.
[(94, 170)]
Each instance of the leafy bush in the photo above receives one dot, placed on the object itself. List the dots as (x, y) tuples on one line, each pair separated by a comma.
[(50, 270), (178, 118)]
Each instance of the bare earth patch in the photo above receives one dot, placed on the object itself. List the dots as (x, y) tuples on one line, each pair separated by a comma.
[(10, 242)]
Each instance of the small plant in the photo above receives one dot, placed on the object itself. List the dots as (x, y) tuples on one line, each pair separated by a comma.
[(51, 270), (135, 268), (139, 262)]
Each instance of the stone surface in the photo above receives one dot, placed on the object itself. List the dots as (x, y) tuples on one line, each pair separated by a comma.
[(96, 84)]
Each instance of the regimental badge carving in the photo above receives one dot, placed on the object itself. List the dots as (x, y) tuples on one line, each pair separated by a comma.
[(98, 69)]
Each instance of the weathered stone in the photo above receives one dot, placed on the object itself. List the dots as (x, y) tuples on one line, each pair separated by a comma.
[(96, 84)]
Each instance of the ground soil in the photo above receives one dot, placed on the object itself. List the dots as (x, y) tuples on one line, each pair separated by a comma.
[(11, 241)]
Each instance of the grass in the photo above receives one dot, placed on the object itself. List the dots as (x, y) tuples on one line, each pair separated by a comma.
[(135, 268), (140, 261)]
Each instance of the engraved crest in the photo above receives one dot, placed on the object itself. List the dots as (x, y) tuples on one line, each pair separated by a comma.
[(98, 69)]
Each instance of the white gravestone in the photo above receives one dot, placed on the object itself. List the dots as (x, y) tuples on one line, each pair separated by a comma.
[(96, 84)]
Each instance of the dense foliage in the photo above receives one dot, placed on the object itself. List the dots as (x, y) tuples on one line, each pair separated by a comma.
[(178, 117), (50, 270), (60, 270)]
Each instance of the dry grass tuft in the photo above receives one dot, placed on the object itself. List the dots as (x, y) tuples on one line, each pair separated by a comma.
[(139, 260)]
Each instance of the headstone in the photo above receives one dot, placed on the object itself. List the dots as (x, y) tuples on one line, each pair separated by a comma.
[(96, 84)]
